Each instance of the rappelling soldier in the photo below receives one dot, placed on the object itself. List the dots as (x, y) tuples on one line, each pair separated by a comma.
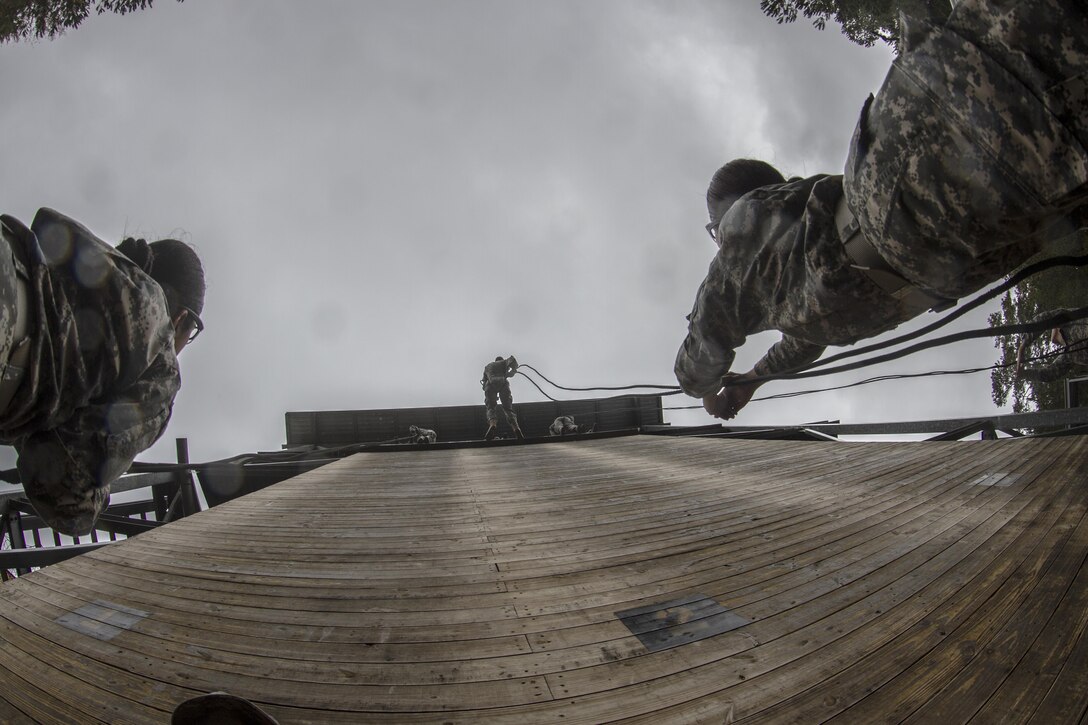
[(496, 385)]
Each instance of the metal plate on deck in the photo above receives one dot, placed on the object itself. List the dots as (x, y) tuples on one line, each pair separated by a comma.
[(102, 620), (997, 479), (679, 621)]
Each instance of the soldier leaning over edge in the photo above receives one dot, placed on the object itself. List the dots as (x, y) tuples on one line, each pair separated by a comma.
[(970, 157), (89, 339)]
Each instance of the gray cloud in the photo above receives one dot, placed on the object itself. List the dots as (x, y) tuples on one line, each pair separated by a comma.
[(386, 195)]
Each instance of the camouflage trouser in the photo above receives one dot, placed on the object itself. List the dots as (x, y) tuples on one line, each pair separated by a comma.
[(7, 296), (494, 392), (973, 152)]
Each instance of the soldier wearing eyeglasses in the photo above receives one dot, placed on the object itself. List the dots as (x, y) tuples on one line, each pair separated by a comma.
[(89, 342), (972, 155)]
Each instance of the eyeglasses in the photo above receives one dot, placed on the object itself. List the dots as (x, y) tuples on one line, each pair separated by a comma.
[(712, 230), (198, 325)]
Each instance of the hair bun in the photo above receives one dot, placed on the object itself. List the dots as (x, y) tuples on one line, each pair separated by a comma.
[(139, 251)]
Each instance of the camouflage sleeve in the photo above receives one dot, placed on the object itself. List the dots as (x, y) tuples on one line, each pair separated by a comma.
[(787, 354), (66, 471), (708, 350)]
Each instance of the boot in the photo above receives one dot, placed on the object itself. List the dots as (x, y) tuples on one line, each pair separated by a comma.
[(491, 431)]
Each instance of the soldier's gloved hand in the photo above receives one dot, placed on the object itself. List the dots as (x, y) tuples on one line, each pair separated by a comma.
[(733, 397)]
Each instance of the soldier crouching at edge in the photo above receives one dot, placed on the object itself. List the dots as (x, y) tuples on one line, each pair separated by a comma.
[(970, 157), (89, 338), (565, 425), (496, 385), (421, 435)]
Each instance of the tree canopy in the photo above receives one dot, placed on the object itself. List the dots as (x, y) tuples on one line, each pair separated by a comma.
[(24, 19), (865, 22), (1053, 289)]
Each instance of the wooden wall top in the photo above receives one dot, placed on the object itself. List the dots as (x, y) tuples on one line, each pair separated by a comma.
[(654, 579)]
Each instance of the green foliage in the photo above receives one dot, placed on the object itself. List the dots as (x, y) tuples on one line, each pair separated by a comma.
[(1058, 287), (865, 22), (23, 19)]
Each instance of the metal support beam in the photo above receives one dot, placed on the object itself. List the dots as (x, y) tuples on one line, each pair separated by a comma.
[(986, 429), (1043, 419), (115, 524), (23, 559)]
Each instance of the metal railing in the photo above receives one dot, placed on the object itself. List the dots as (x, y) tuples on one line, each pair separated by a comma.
[(31, 544)]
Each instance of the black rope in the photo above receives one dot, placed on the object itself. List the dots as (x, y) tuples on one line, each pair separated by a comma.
[(1037, 326), (1072, 347), (807, 371), (1030, 270), (582, 390), (671, 391), (537, 386)]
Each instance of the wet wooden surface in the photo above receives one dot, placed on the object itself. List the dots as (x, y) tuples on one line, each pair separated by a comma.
[(787, 582)]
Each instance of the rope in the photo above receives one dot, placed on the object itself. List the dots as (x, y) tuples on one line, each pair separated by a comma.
[(1073, 347), (1038, 326), (1030, 270), (616, 387), (809, 370)]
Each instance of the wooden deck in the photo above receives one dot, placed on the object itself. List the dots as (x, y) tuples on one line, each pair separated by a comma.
[(646, 579)]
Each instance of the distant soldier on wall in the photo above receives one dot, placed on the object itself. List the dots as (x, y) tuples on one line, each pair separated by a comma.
[(421, 435), (565, 425), (1070, 361), (496, 385)]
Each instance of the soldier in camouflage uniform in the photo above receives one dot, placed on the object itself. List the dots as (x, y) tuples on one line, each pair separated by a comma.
[(89, 344), (1070, 361), (969, 158), (421, 435), (496, 387), (563, 425)]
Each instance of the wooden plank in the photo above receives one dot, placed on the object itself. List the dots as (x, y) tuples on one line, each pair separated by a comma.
[(999, 648), (1035, 675), (863, 676), (1067, 698), (483, 585), (804, 629)]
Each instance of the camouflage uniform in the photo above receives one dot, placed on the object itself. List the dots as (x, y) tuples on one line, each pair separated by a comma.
[(496, 386), (1070, 361), (970, 155), (563, 425), (102, 373), (422, 435)]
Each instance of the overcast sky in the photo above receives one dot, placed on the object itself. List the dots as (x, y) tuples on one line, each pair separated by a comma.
[(386, 195)]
